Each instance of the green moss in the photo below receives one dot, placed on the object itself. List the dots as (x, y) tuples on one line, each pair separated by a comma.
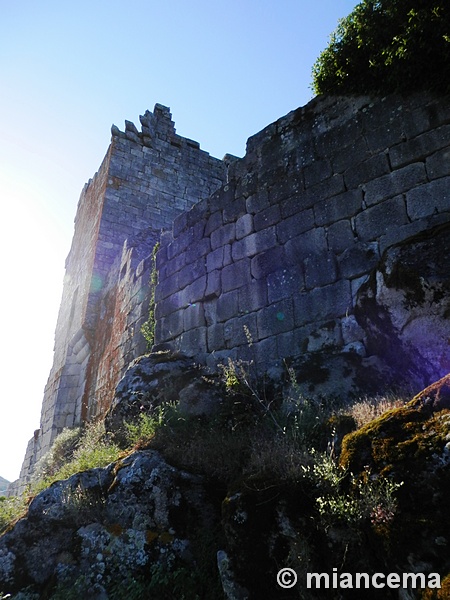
[(400, 435)]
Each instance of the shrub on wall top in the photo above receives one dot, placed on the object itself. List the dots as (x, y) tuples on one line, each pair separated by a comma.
[(387, 46)]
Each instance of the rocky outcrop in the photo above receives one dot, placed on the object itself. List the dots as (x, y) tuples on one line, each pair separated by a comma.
[(411, 445), (404, 308), (147, 525), (157, 378), (105, 528)]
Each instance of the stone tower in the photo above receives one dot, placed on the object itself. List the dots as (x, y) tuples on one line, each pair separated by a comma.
[(146, 179)]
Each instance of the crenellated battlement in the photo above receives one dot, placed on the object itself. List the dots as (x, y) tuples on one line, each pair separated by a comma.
[(154, 125)]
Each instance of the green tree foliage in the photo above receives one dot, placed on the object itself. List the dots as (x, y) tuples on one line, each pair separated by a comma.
[(387, 46)]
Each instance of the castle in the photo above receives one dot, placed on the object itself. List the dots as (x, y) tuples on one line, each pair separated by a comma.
[(275, 245)]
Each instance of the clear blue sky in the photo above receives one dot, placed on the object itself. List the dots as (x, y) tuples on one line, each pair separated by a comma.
[(69, 70)]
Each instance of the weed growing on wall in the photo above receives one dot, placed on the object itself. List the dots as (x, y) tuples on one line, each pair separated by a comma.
[(148, 328)]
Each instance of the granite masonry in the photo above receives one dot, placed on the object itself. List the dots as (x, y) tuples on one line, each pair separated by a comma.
[(262, 255), (277, 256)]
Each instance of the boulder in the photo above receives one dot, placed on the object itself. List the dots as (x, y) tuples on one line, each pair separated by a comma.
[(404, 308), (411, 446), (108, 527), (156, 379)]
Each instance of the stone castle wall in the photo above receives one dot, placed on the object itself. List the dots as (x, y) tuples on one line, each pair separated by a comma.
[(269, 249), (277, 255)]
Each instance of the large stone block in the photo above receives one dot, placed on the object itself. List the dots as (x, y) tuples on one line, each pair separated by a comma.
[(191, 272), (257, 202), (197, 249), (304, 245), (293, 343), (339, 207), (350, 156), (254, 243), (213, 286), (167, 287), (244, 226), (394, 183), (252, 296), (215, 337), (276, 318), (265, 352), (214, 222), (332, 186), (236, 275), (267, 262), (438, 164), (358, 259), (381, 218), (223, 235), (335, 137), (429, 198), (169, 327), (317, 172), (214, 259), (373, 167), (233, 210), (194, 316), (285, 283), (180, 243), (194, 292), (293, 226), (420, 147), (227, 306), (326, 336), (320, 269), (240, 331), (193, 342), (390, 133), (266, 218), (340, 236), (329, 302)]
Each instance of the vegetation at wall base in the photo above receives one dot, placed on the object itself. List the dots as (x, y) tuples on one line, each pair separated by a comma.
[(387, 46), (270, 464), (241, 441)]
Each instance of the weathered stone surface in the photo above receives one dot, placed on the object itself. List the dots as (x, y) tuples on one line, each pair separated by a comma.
[(349, 374), (410, 446), (106, 525), (160, 378), (143, 519), (404, 307)]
